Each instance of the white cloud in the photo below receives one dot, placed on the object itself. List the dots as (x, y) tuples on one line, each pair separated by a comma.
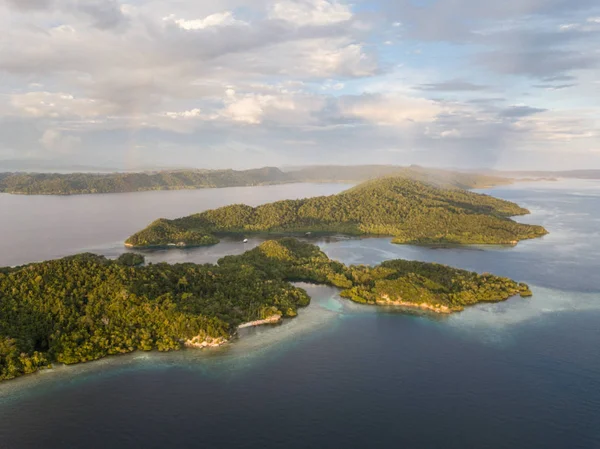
[(555, 126), (349, 60), (311, 12), (591, 24), (252, 108), (193, 113), (58, 105), (568, 26), (451, 133), (248, 110), (58, 142), (222, 19), (391, 109), (279, 107), (64, 29)]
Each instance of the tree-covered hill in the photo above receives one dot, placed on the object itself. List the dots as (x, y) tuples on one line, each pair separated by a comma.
[(86, 307), (87, 183), (395, 282), (410, 211)]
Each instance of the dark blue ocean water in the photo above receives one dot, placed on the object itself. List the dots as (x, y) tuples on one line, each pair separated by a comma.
[(520, 374)]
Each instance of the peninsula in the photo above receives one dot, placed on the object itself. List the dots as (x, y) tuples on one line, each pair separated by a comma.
[(86, 307), (410, 211)]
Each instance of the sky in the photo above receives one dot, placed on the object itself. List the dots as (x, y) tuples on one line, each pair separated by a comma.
[(250, 83)]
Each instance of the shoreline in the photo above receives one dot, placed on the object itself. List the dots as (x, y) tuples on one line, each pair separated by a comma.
[(436, 308), (442, 310), (211, 342), (274, 319), (315, 235), (204, 342)]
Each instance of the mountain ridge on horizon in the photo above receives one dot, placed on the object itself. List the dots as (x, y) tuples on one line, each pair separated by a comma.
[(93, 183), (32, 183)]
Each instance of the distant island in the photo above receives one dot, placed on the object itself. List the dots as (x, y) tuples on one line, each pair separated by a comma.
[(410, 211), (86, 307), (90, 183), (30, 183)]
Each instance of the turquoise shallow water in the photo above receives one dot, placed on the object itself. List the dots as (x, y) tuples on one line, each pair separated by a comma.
[(520, 374)]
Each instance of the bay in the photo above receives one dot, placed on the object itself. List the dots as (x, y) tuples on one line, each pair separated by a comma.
[(36, 228)]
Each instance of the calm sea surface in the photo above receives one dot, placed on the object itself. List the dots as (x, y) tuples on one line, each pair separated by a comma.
[(520, 374)]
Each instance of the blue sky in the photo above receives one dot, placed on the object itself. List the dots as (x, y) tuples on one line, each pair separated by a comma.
[(248, 83)]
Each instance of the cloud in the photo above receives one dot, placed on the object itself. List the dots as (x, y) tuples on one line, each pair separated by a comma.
[(277, 108), (103, 14), (554, 86), (461, 20), (551, 79), (453, 86), (58, 105), (540, 49), (537, 64), (193, 113), (556, 128), (451, 133), (520, 111), (590, 25), (390, 109), (348, 60), (251, 109), (255, 82), (29, 4), (58, 142), (311, 12), (214, 20)]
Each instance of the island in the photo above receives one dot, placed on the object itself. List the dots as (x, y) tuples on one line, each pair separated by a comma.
[(410, 211), (86, 307), (94, 183)]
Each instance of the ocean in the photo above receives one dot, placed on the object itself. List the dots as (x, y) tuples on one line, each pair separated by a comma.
[(520, 374)]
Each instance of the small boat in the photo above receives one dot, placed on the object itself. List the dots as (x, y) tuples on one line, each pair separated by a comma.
[(245, 240)]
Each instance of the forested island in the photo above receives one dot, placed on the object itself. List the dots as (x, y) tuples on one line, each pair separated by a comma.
[(410, 211), (90, 183), (86, 307)]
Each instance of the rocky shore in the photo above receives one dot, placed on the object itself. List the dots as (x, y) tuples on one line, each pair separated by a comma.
[(274, 319), (436, 308), (203, 342)]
